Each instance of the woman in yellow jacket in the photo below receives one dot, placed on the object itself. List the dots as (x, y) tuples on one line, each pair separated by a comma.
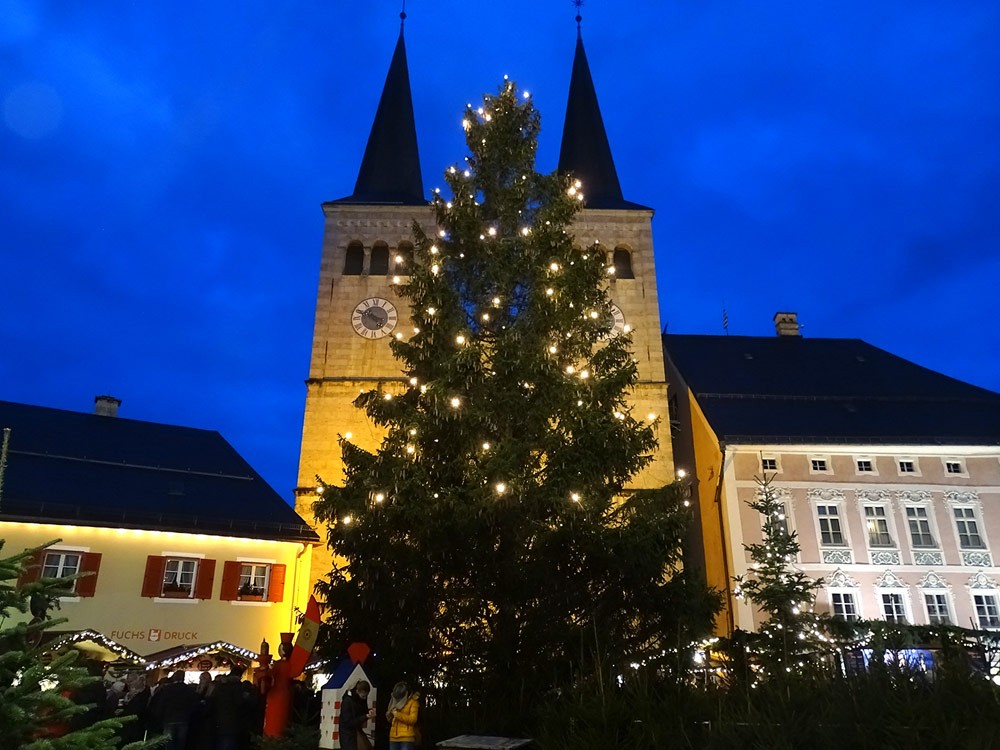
[(402, 715)]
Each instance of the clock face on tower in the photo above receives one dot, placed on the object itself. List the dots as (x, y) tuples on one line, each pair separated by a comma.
[(373, 318), (616, 322)]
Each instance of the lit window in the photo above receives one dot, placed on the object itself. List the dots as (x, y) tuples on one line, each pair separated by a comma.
[(253, 580), (937, 609), (920, 527), (987, 611), (907, 467), (844, 605), (953, 467), (968, 529), (769, 464), (61, 565), (878, 526), (865, 466), (818, 464), (893, 609), (179, 577), (829, 525)]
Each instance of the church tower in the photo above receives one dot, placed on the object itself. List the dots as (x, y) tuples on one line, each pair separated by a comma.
[(366, 247), (625, 230)]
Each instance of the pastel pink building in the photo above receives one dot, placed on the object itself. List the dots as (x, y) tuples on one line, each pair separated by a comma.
[(890, 473)]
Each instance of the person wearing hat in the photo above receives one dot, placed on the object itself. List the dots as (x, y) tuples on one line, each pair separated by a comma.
[(402, 714)]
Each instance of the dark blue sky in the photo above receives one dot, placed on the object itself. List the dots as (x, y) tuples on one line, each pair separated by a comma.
[(162, 167)]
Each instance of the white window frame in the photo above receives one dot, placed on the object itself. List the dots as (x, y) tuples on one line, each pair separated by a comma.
[(826, 463), (977, 517), (948, 603), (181, 560), (770, 457), (993, 594), (964, 473), (873, 472), (931, 526), (267, 577), (841, 522), (61, 568), (911, 460), (843, 591), (904, 601), (889, 525)]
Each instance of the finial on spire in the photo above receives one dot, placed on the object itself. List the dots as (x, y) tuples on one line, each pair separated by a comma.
[(402, 16), (578, 4)]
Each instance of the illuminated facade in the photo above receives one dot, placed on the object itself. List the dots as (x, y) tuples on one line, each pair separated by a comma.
[(182, 542), (368, 239), (889, 473)]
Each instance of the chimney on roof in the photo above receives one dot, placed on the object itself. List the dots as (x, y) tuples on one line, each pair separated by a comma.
[(786, 324), (106, 406)]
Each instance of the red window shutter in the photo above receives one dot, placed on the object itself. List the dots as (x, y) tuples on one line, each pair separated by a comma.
[(276, 584), (205, 579), (152, 580), (32, 568), (90, 562), (230, 580)]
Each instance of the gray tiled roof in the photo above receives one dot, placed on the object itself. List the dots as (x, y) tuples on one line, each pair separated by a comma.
[(72, 467), (792, 389)]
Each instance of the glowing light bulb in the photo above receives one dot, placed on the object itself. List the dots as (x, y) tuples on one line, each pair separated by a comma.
[(399, 258), (431, 310), (574, 496), (570, 369), (423, 389), (593, 314), (413, 431), (584, 374), (553, 266), (651, 417), (395, 279), (550, 291), (434, 249), (525, 231), (456, 402), (410, 449), (681, 473), (553, 349), (492, 231), (388, 397), (413, 381), (486, 446), (347, 520), (501, 488), (435, 268), (611, 270), (496, 301), (379, 497), (460, 339), (348, 435), (626, 328), (467, 173), (466, 124), (486, 316), (399, 336)]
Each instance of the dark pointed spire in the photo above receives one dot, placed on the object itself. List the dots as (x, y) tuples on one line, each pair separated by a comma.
[(390, 169), (585, 149)]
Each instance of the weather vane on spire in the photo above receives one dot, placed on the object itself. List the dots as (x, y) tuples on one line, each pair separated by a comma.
[(578, 4)]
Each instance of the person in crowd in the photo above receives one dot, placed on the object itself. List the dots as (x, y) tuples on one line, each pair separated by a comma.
[(201, 735), (173, 704), (137, 706), (232, 706), (404, 708), (354, 715)]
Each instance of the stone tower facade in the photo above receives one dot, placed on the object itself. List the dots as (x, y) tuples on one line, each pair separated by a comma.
[(367, 235)]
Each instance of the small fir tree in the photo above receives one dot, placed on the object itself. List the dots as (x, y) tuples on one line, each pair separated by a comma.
[(486, 544), (785, 594), (36, 708)]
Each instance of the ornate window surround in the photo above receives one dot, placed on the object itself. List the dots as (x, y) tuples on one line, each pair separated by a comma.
[(978, 557), (933, 583), (841, 583), (880, 555), (982, 584), (832, 553), (921, 499), (890, 583)]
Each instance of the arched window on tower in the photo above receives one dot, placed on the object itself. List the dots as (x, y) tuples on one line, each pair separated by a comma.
[(623, 264), (354, 263), (379, 265), (403, 262)]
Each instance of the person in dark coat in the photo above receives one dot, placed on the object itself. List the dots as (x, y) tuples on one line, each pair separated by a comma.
[(173, 705), (232, 706), (138, 706), (354, 713)]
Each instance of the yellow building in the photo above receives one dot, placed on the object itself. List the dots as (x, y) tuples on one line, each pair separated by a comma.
[(368, 237), (889, 473), (184, 542)]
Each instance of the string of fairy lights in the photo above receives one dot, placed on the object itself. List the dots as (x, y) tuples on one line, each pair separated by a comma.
[(561, 347)]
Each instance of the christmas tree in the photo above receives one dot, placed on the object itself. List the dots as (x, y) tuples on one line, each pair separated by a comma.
[(36, 707), (490, 544), (792, 632)]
